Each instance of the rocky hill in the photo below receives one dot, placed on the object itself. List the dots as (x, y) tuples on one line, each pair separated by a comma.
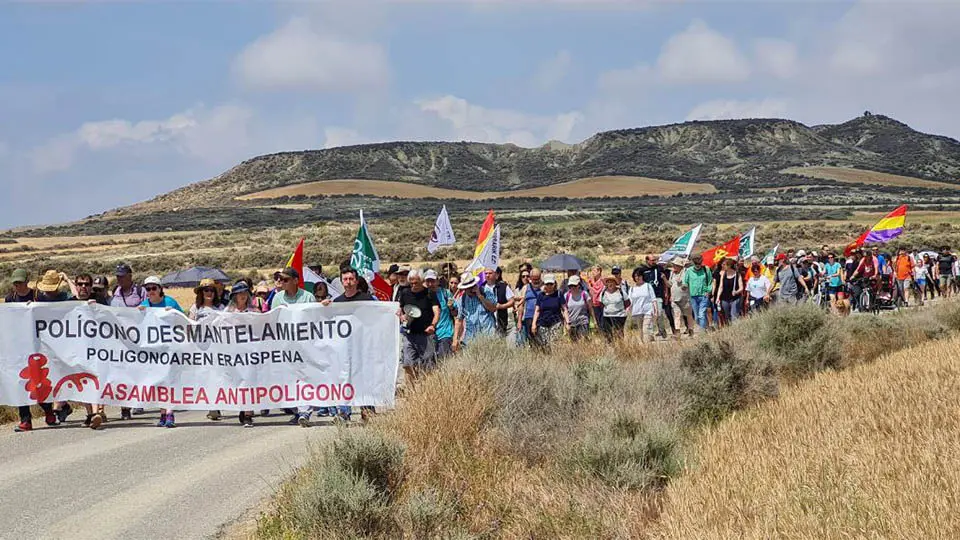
[(726, 153)]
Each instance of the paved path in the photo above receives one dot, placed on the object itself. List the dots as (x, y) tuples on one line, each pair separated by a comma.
[(133, 480)]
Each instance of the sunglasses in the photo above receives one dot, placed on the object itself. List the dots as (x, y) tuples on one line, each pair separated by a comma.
[(284, 279), (209, 290), (151, 289), (525, 276), (83, 284)]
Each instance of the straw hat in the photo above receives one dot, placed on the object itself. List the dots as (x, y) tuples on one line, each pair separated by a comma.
[(204, 283), (50, 282)]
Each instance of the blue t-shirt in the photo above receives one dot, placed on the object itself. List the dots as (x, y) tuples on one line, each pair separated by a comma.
[(550, 305), (882, 261), (168, 302), (445, 324), (830, 269), (529, 302)]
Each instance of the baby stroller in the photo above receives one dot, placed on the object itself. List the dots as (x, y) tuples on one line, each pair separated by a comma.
[(886, 297)]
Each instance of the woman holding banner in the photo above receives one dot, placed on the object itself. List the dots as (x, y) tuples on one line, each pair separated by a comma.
[(241, 302), (156, 299)]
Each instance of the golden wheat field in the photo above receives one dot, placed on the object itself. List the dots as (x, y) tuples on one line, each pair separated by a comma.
[(856, 176), (873, 452), (609, 186)]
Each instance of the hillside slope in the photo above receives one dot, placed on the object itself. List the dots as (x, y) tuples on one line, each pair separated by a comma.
[(726, 153)]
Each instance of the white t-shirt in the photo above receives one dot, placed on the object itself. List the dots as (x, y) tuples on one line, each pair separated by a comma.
[(641, 299), (757, 286), (920, 272)]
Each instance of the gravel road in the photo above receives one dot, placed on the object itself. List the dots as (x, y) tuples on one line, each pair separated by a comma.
[(134, 480)]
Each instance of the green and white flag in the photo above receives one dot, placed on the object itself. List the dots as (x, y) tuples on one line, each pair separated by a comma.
[(364, 255), (746, 244), (683, 246), (771, 255)]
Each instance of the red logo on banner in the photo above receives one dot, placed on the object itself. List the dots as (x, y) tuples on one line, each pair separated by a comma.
[(39, 385)]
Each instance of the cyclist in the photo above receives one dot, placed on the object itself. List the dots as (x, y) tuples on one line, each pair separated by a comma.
[(868, 269)]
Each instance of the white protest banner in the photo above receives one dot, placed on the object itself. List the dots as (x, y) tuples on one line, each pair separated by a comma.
[(308, 354)]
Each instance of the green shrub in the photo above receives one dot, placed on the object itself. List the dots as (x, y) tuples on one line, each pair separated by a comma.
[(629, 454), (800, 340), (719, 381), (371, 456), (430, 514)]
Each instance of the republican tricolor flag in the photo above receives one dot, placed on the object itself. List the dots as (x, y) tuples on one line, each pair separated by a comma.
[(888, 228)]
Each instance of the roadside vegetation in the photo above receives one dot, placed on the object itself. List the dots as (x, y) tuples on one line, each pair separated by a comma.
[(870, 453), (504, 442)]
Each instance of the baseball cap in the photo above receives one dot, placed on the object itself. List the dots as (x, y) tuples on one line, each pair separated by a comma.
[(100, 282), (405, 269), (549, 278), (153, 280), (290, 272), (19, 276), (801, 253), (393, 269), (574, 281), (240, 287), (615, 270), (123, 269), (429, 274), (780, 257)]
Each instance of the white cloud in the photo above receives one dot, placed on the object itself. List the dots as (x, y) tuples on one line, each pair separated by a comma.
[(701, 55), (466, 121), (776, 57), (626, 80), (300, 57), (340, 136), (733, 109), (552, 72), (209, 135)]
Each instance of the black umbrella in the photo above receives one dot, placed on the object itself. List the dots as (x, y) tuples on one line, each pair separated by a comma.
[(191, 277), (564, 261)]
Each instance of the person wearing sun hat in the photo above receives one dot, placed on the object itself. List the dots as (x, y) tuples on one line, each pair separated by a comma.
[(48, 288), (156, 298), (475, 311)]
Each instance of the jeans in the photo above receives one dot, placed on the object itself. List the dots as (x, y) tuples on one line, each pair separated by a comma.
[(731, 309), (526, 336), (579, 331), (756, 304), (699, 304), (444, 348)]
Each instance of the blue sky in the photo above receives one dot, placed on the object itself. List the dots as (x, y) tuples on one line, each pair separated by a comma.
[(107, 104)]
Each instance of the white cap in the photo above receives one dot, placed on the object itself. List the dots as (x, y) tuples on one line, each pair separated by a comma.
[(574, 281), (152, 280), (429, 274), (801, 253), (549, 278)]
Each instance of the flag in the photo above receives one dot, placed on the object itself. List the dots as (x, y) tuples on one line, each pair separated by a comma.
[(746, 243), (311, 278), (366, 261), (489, 256), (364, 255), (296, 261), (442, 232), (683, 246), (712, 257), (771, 256), (888, 228), (486, 230)]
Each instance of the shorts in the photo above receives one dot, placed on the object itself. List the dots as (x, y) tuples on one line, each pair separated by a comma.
[(833, 290), (945, 280), (444, 347), (418, 350)]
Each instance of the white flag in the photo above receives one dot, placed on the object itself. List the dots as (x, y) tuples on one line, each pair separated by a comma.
[(333, 287), (683, 245), (442, 232), (489, 257)]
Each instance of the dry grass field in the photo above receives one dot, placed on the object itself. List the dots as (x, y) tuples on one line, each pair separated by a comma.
[(873, 452), (609, 186), (856, 176)]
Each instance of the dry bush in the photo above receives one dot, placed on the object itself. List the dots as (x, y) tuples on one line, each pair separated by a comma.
[(871, 452)]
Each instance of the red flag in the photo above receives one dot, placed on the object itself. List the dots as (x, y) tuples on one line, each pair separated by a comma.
[(296, 261), (381, 288), (855, 244), (712, 257)]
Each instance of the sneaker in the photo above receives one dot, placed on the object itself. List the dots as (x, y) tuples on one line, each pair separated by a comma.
[(64, 413), (86, 422), (294, 420), (248, 421), (95, 422), (303, 420), (137, 411), (125, 414), (213, 415), (51, 419), (265, 413), (323, 412), (169, 423), (163, 420), (23, 426)]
